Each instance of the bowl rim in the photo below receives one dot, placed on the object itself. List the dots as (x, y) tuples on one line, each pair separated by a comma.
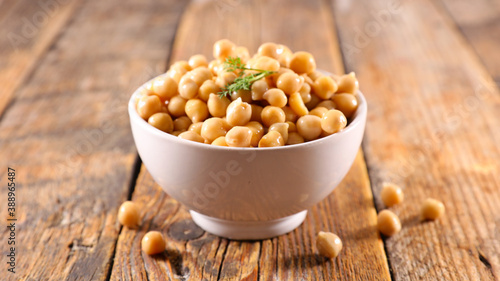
[(358, 119)]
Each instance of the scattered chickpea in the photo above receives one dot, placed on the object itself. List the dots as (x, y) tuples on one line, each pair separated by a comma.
[(153, 243), (391, 194), (128, 214), (431, 209), (328, 244), (388, 223)]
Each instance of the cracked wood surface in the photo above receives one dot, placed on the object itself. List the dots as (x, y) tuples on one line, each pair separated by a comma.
[(427, 69)]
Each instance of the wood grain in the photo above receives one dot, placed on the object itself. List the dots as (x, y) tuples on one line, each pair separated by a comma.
[(349, 211), (433, 129), (67, 135)]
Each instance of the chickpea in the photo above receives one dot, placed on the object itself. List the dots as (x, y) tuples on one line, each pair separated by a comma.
[(268, 49), (305, 92), (348, 84), (176, 133), (275, 76), (164, 87), (294, 138), (226, 125), (162, 121), (213, 128), (188, 89), (220, 141), (242, 53), (319, 111), (266, 63), (328, 244), (388, 223), (182, 123), (307, 79), (215, 66), (238, 113), (275, 97), (245, 95), (196, 110), (239, 136), (208, 87), (258, 89), (291, 127), (324, 87), (315, 75), (310, 105), (297, 104), (289, 82), (225, 78), (181, 65), (257, 132), (200, 75), (346, 103), (302, 62), (256, 113), (431, 209), (217, 105), (309, 127), (223, 49), (271, 139), (128, 214), (333, 121), (176, 106), (391, 194), (197, 61), (153, 243), (281, 128), (328, 104), (272, 114), (148, 105), (285, 54), (191, 136), (289, 114), (196, 127)]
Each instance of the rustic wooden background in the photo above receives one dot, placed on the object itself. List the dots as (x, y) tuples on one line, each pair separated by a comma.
[(428, 70)]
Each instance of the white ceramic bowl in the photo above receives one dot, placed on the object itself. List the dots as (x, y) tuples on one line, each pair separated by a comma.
[(247, 193)]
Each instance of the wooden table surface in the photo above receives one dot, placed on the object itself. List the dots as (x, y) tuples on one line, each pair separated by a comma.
[(427, 68)]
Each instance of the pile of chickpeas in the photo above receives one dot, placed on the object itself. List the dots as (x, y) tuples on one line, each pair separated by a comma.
[(295, 104)]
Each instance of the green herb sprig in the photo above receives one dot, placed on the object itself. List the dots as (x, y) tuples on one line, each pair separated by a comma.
[(242, 82)]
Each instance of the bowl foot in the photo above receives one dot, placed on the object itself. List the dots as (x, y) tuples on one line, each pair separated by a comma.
[(251, 230)]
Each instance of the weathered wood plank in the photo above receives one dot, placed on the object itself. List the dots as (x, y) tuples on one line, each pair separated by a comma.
[(433, 129), (27, 30), (348, 211), (67, 135)]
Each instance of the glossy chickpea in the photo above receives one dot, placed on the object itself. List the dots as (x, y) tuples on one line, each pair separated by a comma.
[(307, 79), (391, 194), (215, 66), (305, 92), (258, 89), (297, 104), (208, 87), (271, 139), (328, 244), (128, 214), (153, 243), (302, 62), (315, 75), (309, 127), (272, 114), (319, 111), (239, 136), (281, 128), (431, 209), (196, 110), (266, 63), (196, 127), (238, 113), (200, 75), (242, 53), (217, 105), (328, 104), (197, 61), (223, 49), (315, 100), (174, 75), (275, 76), (268, 49), (294, 138), (225, 78), (182, 123), (289, 83), (285, 54), (220, 141), (388, 223), (245, 95), (256, 113), (188, 89), (148, 105), (162, 121), (348, 84), (333, 121), (291, 127), (275, 97), (176, 106), (227, 126), (257, 132), (324, 87), (346, 103), (165, 88), (213, 128), (289, 114), (181, 65), (191, 136)]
